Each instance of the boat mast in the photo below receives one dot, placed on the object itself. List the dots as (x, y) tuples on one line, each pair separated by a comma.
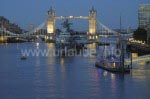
[(120, 23), (121, 45)]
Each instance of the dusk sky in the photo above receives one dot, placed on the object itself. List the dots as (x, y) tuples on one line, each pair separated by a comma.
[(25, 12)]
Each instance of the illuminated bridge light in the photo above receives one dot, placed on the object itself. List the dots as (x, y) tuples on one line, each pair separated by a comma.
[(71, 16)]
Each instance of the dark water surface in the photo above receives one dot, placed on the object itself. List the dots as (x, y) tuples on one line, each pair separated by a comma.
[(73, 77)]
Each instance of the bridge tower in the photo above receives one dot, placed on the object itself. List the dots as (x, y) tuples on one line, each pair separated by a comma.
[(3, 36), (51, 21), (92, 21), (51, 24)]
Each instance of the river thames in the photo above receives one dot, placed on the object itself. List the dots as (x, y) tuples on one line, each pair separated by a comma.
[(74, 77)]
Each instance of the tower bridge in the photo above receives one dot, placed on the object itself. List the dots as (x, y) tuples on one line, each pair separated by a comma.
[(51, 20), (96, 28)]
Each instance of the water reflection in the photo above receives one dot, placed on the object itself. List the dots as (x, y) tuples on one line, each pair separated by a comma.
[(50, 45), (63, 67), (113, 84), (141, 71), (116, 82), (66, 77), (92, 46)]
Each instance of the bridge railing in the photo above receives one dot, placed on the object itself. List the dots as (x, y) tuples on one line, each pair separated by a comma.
[(138, 59)]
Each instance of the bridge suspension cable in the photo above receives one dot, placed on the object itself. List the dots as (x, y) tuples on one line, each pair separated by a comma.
[(104, 29), (32, 32)]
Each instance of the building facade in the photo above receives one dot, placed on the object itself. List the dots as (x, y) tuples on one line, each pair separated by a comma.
[(10, 26), (144, 15)]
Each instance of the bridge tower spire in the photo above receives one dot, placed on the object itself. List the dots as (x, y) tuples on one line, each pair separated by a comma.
[(51, 21), (92, 21)]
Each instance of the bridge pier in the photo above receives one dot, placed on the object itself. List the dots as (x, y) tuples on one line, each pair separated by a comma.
[(92, 37), (50, 38)]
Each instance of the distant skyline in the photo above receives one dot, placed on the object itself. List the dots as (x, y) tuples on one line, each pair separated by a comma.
[(25, 12)]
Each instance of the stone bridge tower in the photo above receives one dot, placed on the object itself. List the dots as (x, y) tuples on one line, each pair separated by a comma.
[(51, 25), (51, 21), (92, 21)]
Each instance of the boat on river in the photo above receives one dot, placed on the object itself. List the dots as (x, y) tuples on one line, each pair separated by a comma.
[(23, 57), (111, 63), (65, 40)]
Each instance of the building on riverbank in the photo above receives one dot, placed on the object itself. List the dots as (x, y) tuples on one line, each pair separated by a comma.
[(144, 15), (144, 18), (10, 26)]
